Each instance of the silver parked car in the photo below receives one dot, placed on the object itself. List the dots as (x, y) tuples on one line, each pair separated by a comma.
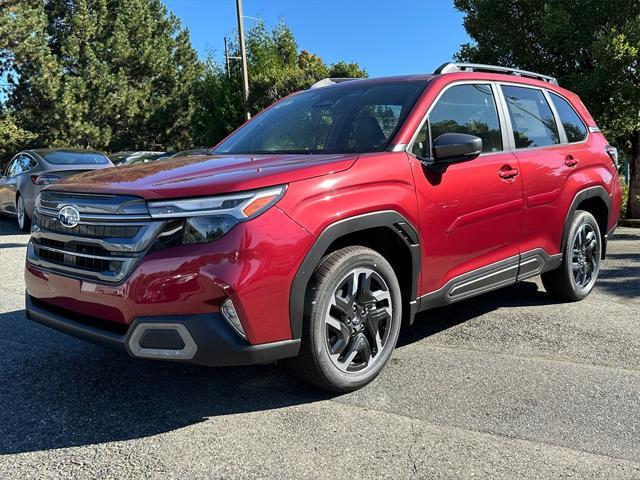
[(31, 170)]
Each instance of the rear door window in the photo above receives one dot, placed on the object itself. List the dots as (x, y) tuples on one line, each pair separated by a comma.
[(531, 117), (573, 125)]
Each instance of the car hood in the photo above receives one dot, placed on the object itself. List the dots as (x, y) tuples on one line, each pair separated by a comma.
[(200, 176)]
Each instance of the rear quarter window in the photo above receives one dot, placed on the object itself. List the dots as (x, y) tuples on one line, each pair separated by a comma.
[(573, 125)]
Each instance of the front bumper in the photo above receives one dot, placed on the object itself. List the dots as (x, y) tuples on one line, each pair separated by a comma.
[(205, 339), (253, 265)]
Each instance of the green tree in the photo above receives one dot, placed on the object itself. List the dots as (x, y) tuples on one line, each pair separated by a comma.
[(12, 138), (591, 46), (343, 69), (276, 68), (104, 74)]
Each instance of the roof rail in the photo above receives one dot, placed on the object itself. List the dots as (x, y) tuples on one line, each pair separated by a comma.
[(325, 82), (450, 67)]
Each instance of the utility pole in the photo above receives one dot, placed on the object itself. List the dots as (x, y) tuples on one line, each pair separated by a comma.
[(243, 56), (226, 57)]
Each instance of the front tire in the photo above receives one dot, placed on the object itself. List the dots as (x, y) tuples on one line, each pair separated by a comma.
[(24, 222), (352, 322), (581, 259)]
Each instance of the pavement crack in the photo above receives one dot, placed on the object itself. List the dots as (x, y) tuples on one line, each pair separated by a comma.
[(414, 443)]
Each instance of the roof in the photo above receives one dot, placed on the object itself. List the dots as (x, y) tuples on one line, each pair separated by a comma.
[(472, 70)]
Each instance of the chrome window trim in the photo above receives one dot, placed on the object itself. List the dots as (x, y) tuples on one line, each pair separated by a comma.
[(508, 126)]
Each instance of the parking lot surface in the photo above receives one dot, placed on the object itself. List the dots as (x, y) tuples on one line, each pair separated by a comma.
[(508, 385)]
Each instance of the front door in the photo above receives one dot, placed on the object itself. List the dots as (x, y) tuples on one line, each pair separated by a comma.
[(471, 213)]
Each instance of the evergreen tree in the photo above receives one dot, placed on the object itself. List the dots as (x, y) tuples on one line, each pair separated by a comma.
[(104, 74)]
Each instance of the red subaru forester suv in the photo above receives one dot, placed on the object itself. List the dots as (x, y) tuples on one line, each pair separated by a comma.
[(313, 231)]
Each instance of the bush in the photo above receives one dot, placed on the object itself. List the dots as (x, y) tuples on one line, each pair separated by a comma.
[(625, 196)]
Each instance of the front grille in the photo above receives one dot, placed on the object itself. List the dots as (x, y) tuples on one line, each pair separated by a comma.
[(93, 231), (85, 263), (104, 247)]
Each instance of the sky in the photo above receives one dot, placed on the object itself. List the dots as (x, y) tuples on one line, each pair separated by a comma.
[(385, 37)]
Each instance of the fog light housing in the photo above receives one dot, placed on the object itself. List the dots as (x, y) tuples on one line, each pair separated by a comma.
[(229, 313)]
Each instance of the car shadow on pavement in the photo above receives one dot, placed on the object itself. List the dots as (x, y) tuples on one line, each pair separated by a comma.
[(9, 226), (429, 323), (64, 397), (57, 392)]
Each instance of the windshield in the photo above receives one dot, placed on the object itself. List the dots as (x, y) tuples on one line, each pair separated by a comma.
[(347, 118), (75, 158)]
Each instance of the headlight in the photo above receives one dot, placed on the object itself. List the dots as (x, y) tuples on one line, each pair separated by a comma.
[(200, 220), (242, 205)]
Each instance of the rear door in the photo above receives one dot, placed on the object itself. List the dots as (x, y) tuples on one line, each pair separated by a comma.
[(545, 162), (471, 213)]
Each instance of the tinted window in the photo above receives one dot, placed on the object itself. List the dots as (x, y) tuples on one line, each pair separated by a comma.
[(75, 158), (469, 109), (15, 167), (573, 125), (342, 119), (531, 117)]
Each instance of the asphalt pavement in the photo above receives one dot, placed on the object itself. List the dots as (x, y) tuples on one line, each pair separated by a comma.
[(509, 385)]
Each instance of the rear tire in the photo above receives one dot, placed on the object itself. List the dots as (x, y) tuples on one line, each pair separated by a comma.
[(24, 221), (352, 322), (577, 274)]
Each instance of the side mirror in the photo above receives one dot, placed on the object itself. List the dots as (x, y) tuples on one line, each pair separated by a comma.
[(456, 147)]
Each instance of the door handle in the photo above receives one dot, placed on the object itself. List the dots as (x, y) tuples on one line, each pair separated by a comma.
[(507, 172), (570, 161)]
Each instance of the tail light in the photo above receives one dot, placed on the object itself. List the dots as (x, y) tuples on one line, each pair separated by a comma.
[(45, 179), (613, 153)]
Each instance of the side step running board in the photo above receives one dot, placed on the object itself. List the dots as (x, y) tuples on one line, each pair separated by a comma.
[(491, 277)]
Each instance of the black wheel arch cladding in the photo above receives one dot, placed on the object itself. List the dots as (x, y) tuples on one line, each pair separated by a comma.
[(586, 195), (390, 219)]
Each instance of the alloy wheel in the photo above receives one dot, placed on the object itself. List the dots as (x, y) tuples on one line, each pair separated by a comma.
[(358, 320), (585, 260)]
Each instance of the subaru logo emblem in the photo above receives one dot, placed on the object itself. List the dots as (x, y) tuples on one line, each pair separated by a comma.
[(69, 216)]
